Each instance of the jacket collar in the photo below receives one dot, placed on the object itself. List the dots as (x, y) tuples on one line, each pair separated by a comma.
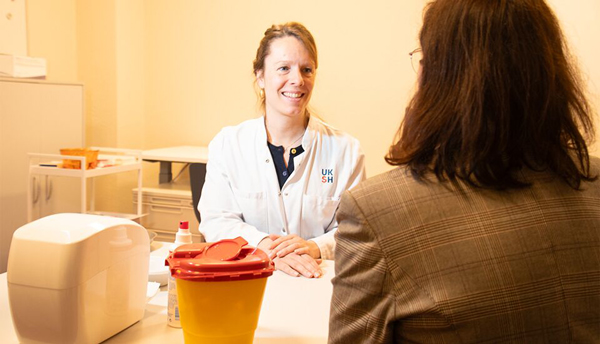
[(307, 140)]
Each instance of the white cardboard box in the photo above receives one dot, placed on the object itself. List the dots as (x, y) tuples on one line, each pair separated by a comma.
[(22, 66)]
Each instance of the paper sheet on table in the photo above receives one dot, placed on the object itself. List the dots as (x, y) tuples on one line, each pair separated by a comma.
[(152, 290)]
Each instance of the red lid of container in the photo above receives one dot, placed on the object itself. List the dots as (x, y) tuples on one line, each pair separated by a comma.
[(225, 260)]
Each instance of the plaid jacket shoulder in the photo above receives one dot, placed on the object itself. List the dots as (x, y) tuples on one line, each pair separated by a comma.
[(438, 262)]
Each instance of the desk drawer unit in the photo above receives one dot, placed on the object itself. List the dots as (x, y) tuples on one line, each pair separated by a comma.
[(164, 208)]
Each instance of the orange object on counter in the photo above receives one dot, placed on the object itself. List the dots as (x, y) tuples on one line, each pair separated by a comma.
[(91, 158)]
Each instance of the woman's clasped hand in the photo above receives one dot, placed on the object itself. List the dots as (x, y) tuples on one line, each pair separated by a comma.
[(293, 255)]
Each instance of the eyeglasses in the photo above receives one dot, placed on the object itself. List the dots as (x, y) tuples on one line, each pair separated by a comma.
[(415, 59)]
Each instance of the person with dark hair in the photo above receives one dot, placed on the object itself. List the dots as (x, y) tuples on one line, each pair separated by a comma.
[(488, 229), (277, 180)]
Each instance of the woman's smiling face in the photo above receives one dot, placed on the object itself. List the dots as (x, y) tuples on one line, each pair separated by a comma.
[(287, 78)]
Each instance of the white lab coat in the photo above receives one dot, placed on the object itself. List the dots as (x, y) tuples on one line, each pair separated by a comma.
[(241, 195)]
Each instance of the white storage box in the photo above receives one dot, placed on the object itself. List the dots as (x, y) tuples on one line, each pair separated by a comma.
[(77, 278), (22, 66), (165, 208)]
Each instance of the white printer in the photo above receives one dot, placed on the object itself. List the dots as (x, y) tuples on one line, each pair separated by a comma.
[(77, 278)]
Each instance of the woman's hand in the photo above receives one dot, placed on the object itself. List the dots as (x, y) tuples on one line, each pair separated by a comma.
[(282, 246), (296, 265), (265, 244)]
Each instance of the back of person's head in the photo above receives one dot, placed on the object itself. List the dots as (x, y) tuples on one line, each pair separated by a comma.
[(497, 92)]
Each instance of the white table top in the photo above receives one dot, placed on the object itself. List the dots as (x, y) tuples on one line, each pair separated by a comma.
[(295, 310), (191, 154)]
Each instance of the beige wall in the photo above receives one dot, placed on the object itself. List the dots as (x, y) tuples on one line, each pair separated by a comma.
[(99, 43), (202, 53), (580, 21), (52, 34), (170, 73)]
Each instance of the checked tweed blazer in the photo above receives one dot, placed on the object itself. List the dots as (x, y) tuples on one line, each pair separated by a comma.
[(430, 262)]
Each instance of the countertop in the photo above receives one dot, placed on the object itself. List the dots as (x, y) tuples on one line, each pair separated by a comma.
[(294, 310)]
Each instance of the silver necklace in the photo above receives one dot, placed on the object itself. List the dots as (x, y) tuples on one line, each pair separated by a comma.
[(285, 149)]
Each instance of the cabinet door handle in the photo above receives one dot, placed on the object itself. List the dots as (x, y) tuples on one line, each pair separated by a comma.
[(48, 188), (165, 201), (167, 210), (36, 190)]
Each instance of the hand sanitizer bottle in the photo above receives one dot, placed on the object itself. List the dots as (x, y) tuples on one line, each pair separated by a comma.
[(182, 237)]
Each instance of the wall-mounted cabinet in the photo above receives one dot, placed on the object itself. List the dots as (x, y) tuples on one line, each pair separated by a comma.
[(35, 116)]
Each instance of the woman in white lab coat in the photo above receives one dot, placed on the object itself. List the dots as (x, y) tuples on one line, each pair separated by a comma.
[(276, 180)]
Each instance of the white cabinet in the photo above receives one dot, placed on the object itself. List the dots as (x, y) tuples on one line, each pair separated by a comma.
[(35, 116)]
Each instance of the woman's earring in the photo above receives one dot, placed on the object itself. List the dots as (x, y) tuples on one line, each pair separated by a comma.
[(262, 92)]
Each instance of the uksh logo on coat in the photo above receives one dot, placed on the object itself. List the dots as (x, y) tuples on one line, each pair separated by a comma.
[(327, 175)]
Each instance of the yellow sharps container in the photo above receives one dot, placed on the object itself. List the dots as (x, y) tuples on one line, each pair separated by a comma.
[(220, 288)]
